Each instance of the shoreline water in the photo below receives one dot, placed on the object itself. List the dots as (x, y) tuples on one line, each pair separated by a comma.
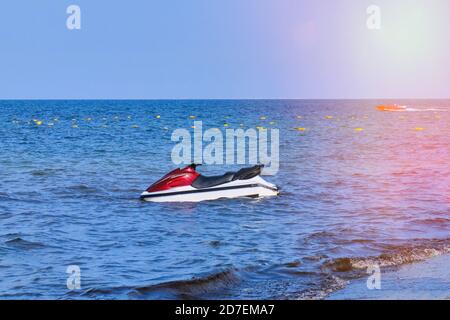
[(429, 279)]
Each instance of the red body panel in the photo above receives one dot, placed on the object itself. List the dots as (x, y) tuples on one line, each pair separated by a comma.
[(176, 178)]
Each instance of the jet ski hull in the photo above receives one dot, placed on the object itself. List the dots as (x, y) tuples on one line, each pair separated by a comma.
[(255, 187)]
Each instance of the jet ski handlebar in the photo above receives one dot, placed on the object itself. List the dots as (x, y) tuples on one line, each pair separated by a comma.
[(194, 165)]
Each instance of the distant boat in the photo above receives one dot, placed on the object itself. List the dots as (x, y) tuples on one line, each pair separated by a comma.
[(391, 108)]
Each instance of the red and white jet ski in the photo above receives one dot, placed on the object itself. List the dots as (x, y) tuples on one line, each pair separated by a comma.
[(187, 185)]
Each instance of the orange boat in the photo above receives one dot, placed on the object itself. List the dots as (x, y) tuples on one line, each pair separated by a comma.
[(391, 108)]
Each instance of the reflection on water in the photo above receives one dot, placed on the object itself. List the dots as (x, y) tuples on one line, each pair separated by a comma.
[(358, 186)]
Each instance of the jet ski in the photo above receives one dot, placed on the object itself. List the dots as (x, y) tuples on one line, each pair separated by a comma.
[(391, 108), (187, 185)]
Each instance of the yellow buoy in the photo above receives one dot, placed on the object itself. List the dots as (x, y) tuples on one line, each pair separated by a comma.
[(38, 122), (193, 127), (420, 129), (225, 124), (272, 122), (359, 129), (300, 129), (192, 117), (158, 116), (328, 117)]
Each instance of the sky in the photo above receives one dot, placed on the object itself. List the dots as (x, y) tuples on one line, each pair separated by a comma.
[(229, 49)]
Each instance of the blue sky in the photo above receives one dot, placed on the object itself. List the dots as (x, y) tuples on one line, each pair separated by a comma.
[(177, 49)]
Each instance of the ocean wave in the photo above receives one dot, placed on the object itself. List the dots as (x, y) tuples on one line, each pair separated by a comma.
[(397, 257), (189, 289), (426, 109), (82, 188), (7, 197), (45, 172), (330, 284), (433, 221), (20, 243), (196, 286)]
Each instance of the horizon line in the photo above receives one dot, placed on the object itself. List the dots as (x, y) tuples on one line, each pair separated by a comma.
[(205, 99)]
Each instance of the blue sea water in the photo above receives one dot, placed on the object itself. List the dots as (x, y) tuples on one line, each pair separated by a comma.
[(71, 173)]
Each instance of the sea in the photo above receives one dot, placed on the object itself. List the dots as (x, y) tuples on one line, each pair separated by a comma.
[(362, 191)]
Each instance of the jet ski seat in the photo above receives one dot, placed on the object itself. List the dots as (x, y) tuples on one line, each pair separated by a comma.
[(203, 182)]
